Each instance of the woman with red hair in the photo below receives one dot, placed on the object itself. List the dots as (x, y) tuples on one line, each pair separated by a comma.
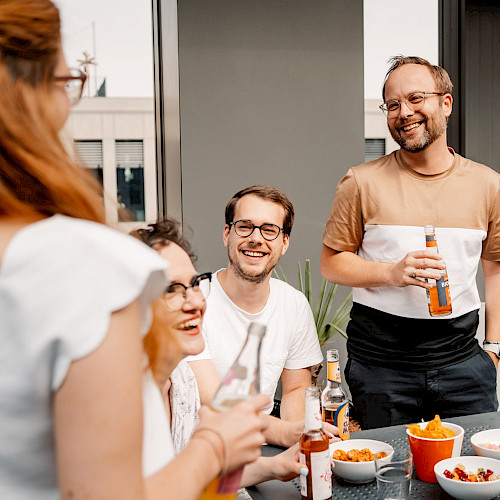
[(80, 415)]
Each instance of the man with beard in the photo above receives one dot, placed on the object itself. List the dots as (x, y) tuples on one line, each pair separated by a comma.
[(403, 365), (259, 221)]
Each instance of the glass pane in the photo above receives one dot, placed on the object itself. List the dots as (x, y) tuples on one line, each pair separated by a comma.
[(130, 189), (113, 43), (381, 19)]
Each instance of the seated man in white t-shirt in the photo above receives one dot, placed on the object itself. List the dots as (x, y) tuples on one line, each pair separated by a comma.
[(259, 220)]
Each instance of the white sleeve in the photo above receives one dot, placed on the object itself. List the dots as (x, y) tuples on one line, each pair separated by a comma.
[(305, 350), (68, 276)]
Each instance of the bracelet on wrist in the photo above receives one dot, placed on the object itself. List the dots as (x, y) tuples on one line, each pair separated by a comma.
[(225, 450)]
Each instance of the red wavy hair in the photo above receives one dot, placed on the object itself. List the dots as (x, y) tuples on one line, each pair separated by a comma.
[(37, 175)]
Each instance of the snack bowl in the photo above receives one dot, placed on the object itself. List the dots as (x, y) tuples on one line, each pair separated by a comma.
[(491, 436), (358, 472), (464, 490)]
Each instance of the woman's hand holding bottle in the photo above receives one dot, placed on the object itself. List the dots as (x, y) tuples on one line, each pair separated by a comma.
[(239, 430)]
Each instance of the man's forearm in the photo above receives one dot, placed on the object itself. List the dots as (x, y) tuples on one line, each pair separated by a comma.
[(283, 433), (349, 269)]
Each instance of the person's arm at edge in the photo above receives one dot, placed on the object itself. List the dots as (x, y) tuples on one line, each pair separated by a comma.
[(349, 269), (98, 416), (491, 271), (207, 379)]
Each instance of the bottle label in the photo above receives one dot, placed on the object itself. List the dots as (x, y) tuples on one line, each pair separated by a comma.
[(430, 240), (313, 415), (333, 372), (341, 420), (442, 292), (230, 483), (320, 474)]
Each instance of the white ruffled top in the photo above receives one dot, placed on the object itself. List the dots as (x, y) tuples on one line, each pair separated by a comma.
[(60, 280)]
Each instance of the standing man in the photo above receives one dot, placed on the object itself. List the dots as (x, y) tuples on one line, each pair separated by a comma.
[(259, 221), (404, 366)]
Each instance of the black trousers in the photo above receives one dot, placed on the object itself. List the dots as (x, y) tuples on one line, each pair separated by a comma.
[(383, 396)]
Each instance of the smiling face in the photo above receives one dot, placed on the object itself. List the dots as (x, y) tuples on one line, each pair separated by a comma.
[(253, 258), (414, 131), (184, 324)]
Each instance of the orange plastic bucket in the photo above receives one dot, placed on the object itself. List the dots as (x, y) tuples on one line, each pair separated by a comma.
[(428, 452)]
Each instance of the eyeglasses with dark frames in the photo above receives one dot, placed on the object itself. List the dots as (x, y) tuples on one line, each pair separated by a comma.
[(73, 84), (414, 100), (245, 228), (176, 293)]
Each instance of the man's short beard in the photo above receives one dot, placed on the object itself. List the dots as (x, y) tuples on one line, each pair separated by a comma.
[(426, 140), (259, 278), (431, 133)]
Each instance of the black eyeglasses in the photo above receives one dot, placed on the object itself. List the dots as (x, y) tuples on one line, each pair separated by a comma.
[(176, 293), (414, 101), (245, 228), (73, 84)]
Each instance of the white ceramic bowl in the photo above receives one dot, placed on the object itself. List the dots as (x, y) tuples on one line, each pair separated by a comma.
[(468, 491), (358, 472), (489, 436)]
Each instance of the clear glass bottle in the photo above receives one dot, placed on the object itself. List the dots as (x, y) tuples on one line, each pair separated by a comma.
[(438, 297), (334, 401), (314, 446), (241, 381)]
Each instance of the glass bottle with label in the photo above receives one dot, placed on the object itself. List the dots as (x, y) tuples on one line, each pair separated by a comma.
[(438, 297), (241, 381), (334, 401), (314, 447)]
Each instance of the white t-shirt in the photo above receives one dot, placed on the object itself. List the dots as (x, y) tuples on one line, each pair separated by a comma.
[(60, 280), (290, 342)]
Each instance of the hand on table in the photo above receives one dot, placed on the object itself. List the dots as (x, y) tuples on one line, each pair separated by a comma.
[(285, 466)]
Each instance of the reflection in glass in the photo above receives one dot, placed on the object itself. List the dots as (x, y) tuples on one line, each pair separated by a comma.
[(130, 180)]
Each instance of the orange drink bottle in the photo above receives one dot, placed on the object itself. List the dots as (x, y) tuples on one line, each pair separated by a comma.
[(314, 447), (438, 297), (240, 382), (334, 401)]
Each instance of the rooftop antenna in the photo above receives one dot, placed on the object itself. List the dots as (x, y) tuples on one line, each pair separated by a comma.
[(95, 53), (86, 62)]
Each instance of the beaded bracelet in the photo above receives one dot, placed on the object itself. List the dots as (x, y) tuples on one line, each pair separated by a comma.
[(223, 441), (490, 342)]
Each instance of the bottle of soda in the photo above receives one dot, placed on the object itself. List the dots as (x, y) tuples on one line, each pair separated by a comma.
[(334, 401), (438, 297), (314, 448), (241, 381)]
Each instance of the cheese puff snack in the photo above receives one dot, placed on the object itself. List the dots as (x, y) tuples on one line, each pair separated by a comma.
[(364, 455), (433, 430)]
